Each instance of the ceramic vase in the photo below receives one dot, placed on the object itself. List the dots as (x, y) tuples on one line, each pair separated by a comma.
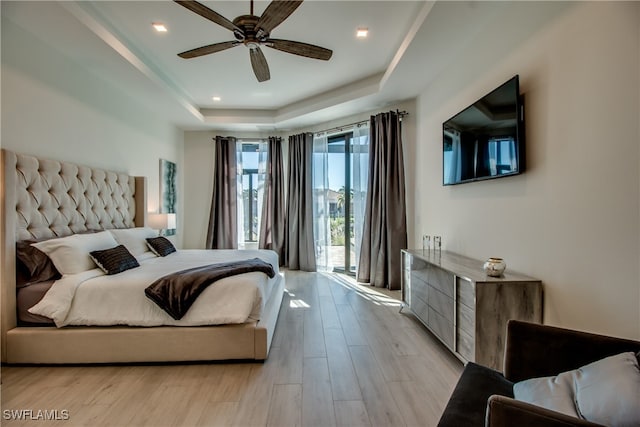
[(494, 267)]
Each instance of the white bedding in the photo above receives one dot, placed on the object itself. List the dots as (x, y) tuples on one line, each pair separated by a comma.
[(94, 298)]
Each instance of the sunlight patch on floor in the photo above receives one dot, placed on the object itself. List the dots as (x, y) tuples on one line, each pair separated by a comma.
[(295, 302), (371, 293), (298, 303)]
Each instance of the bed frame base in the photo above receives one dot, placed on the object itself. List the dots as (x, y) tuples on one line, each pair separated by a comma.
[(79, 345)]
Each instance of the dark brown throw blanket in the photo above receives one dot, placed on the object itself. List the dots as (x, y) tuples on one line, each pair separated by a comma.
[(176, 292)]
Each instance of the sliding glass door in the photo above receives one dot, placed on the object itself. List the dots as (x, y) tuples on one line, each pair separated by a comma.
[(340, 207), (340, 165)]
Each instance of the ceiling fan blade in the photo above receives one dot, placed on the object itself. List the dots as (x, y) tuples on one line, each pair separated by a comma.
[(259, 64), (206, 50), (209, 14), (276, 12), (299, 48)]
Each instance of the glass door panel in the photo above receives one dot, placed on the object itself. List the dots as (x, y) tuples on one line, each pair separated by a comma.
[(340, 205)]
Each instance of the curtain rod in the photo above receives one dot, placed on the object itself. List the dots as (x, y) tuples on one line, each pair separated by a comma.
[(350, 125), (249, 140), (343, 127)]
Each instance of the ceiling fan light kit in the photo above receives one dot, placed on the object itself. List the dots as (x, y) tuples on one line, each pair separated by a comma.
[(254, 31)]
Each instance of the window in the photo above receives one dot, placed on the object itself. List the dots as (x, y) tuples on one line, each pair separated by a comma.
[(251, 166), (502, 155)]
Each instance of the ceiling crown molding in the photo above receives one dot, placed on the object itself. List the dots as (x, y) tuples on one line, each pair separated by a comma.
[(90, 17)]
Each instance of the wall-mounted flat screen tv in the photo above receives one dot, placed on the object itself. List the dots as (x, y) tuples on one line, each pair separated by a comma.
[(485, 140)]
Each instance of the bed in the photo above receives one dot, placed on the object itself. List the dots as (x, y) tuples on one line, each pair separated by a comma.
[(45, 199)]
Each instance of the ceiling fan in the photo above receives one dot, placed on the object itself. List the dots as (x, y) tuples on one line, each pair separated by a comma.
[(253, 31)]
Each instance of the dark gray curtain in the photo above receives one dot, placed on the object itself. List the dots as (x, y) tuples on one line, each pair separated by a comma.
[(273, 224), (223, 227), (300, 249), (385, 224)]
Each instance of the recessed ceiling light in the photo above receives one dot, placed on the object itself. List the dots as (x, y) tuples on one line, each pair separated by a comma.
[(216, 98), (362, 32), (159, 27)]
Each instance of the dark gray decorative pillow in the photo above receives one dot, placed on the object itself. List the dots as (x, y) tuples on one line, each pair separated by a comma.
[(160, 246), (114, 260), (33, 265)]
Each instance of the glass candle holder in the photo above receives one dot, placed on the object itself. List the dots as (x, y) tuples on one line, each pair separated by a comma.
[(437, 243), (426, 242)]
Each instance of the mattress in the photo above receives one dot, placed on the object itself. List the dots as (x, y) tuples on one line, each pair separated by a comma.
[(92, 298)]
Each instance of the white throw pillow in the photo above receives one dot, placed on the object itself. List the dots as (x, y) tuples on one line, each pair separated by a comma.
[(608, 391), (70, 254), (555, 393), (134, 238), (604, 392)]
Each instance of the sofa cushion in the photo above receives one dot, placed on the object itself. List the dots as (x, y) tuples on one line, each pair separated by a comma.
[(555, 393), (468, 402), (604, 392)]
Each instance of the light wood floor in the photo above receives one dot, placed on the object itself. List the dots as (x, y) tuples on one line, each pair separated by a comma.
[(342, 356)]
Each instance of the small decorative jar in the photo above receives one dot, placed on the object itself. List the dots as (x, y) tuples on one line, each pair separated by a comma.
[(494, 267)]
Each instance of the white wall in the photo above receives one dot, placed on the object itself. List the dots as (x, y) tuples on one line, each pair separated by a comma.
[(53, 107), (573, 219)]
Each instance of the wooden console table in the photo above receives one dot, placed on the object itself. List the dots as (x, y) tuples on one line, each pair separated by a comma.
[(463, 307)]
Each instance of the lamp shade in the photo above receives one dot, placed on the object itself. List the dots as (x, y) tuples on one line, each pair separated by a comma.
[(162, 221)]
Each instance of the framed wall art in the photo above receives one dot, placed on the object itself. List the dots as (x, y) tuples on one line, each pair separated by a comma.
[(168, 190)]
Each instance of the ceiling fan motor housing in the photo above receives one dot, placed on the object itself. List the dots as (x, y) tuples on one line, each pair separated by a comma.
[(248, 24)]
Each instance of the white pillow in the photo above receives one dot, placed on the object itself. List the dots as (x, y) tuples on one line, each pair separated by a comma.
[(134, 238), (608, 391), (555, 393), (604, 392), (70, 254)]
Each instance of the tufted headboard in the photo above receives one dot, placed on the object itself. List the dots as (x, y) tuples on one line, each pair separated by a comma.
[(47, 198)]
